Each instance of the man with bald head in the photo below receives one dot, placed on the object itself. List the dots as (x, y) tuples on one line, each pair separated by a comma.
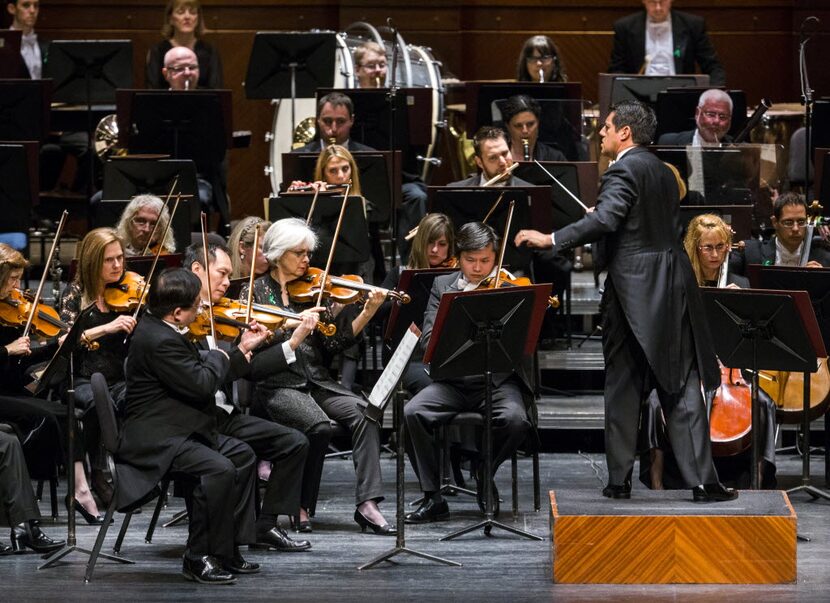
[(713, 117), (181, 68)]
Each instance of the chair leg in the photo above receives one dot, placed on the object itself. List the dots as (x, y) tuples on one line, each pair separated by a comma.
[(514, 486), (537, 503), (39, 490), (122, 532), (99, 541), (156, 512), (53, 494)]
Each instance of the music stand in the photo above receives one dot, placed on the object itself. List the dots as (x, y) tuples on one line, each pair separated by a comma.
[(12, 65), (290, 64), (353, 244), (616, 87), (500, 327), (767, 330), (564, 209), (24, 109), (18, 185), (738, 217)]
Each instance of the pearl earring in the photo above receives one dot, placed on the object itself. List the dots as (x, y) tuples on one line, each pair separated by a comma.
[(241, 256)]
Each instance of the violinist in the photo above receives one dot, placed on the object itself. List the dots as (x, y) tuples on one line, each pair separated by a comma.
[(41, 422), (786, 246), (137, 222), (439, 402), (283, 447), (100, 262), (303, 395), (241, 246)]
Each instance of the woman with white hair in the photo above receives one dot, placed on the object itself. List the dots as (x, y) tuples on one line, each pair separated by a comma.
[(293, 384), (137, 222)]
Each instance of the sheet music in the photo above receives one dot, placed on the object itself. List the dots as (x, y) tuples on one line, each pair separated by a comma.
[(394, 369)]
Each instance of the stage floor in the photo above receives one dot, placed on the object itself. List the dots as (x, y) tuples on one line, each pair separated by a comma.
[(500, 568)]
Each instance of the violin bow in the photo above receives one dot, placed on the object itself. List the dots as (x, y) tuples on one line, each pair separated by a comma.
[(325, 275), (253, 273), (311, 208), (562, 186), (492, 209), (36, 299), (504, 244), (156, 225), (206, 259)]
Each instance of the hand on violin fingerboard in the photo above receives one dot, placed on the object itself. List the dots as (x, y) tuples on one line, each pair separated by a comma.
[(305, 328)]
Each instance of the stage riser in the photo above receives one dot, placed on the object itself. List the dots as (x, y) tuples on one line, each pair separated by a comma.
[(673, 549)]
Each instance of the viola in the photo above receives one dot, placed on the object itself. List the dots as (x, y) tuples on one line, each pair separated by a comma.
[(730, 420), (345, 289), (126, 294), (15, 310)]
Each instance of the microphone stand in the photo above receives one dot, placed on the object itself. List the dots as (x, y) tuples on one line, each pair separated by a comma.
[(807, 101)]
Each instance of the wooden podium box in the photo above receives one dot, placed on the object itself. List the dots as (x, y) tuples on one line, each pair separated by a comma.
[(662, 537)]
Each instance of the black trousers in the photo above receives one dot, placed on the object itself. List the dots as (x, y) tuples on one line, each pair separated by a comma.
[(221, 509), (439, 402), (286, 448), (628, 381), (16, 495)]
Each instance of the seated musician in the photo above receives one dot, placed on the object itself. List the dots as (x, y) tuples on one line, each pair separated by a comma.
[(181, 69), (40, 423), (539, 61), (370, 65), (170, 427), (713, 116), (707, 243), (477, 246), (787, 246), (493, 157), (136, 225), (19, 509), (283, 447), (241, 246), (302, 394), (521, 115), (33, 50)]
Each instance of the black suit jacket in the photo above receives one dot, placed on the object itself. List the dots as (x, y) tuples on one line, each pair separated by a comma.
[(475, 180), (171, 390), (636, 227), (684, 138), (763, 252), (315, 146), (691, 45)]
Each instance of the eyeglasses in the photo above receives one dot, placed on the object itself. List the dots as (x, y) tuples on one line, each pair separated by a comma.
[(183, 68), (716, 115), (143, 222), (545, 58), (374, 66), (300, 254), (801, 223), (719, 248)]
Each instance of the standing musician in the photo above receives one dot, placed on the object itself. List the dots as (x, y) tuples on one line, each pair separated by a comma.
[(241, 246), (786, 246), (652, 306), (42, 423), (303, 395), (370, 64), (539, 61), (100, 262), (285, 448), (170, 427), (521, 115), (136, 224), (477, 245)]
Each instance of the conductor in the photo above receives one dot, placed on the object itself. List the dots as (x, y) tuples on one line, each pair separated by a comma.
[(651, 303)]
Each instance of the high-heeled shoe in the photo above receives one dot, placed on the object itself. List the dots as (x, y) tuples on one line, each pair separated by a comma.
[(300, 526), (384, 530), (93, 520)]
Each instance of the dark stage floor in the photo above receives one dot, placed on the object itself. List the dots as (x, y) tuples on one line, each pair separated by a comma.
[(499, 568)]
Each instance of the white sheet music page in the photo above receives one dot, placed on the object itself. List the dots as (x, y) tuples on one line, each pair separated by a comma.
[(397, 365)]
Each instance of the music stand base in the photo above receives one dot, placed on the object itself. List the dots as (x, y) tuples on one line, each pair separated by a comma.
[(398, 550), (811, 490), (58, 555), (176, 519), (449, 490), (488, 525)]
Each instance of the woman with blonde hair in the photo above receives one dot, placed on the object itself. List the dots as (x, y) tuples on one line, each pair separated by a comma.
[(241, 245), (707, 243)]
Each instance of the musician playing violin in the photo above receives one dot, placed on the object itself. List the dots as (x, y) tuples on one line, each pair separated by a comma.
[(439, 402), (241, 246), (285, 448), (302, 394), (137, 222)]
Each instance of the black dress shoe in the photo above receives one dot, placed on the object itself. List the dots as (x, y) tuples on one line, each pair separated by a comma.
[(238, 565), (614, 491), (5, 549), (380, 530), (429, 511), (37, 541), (276, 539), (206, 570), (716, 492), (298, 526)]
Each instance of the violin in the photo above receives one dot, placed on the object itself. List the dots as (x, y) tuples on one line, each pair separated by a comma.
[(450, 262), (505, 278), (230, 316), (15, 310), (127, 294), (345, 289), (730, 419)]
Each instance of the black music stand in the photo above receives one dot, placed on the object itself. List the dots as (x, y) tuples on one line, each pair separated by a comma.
[(18, 185), (353, 245), (12, 65), (564, 209), (616, 87), (739, 218), (290, 64), (767, 330), (24, 109), (60, 368), (500, 326)]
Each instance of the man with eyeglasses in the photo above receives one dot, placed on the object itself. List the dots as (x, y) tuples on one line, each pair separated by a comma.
[(135, 227), (370, 65), (662, 41), (786, 246), (181, 68), (713, 116)]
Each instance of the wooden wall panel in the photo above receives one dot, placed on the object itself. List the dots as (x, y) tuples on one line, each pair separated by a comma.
[(756, 39)]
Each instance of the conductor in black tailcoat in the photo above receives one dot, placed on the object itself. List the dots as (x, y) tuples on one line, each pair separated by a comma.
[(170, 427), (652, 306)]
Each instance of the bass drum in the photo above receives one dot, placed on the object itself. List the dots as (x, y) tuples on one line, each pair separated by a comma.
[(416, 69)]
